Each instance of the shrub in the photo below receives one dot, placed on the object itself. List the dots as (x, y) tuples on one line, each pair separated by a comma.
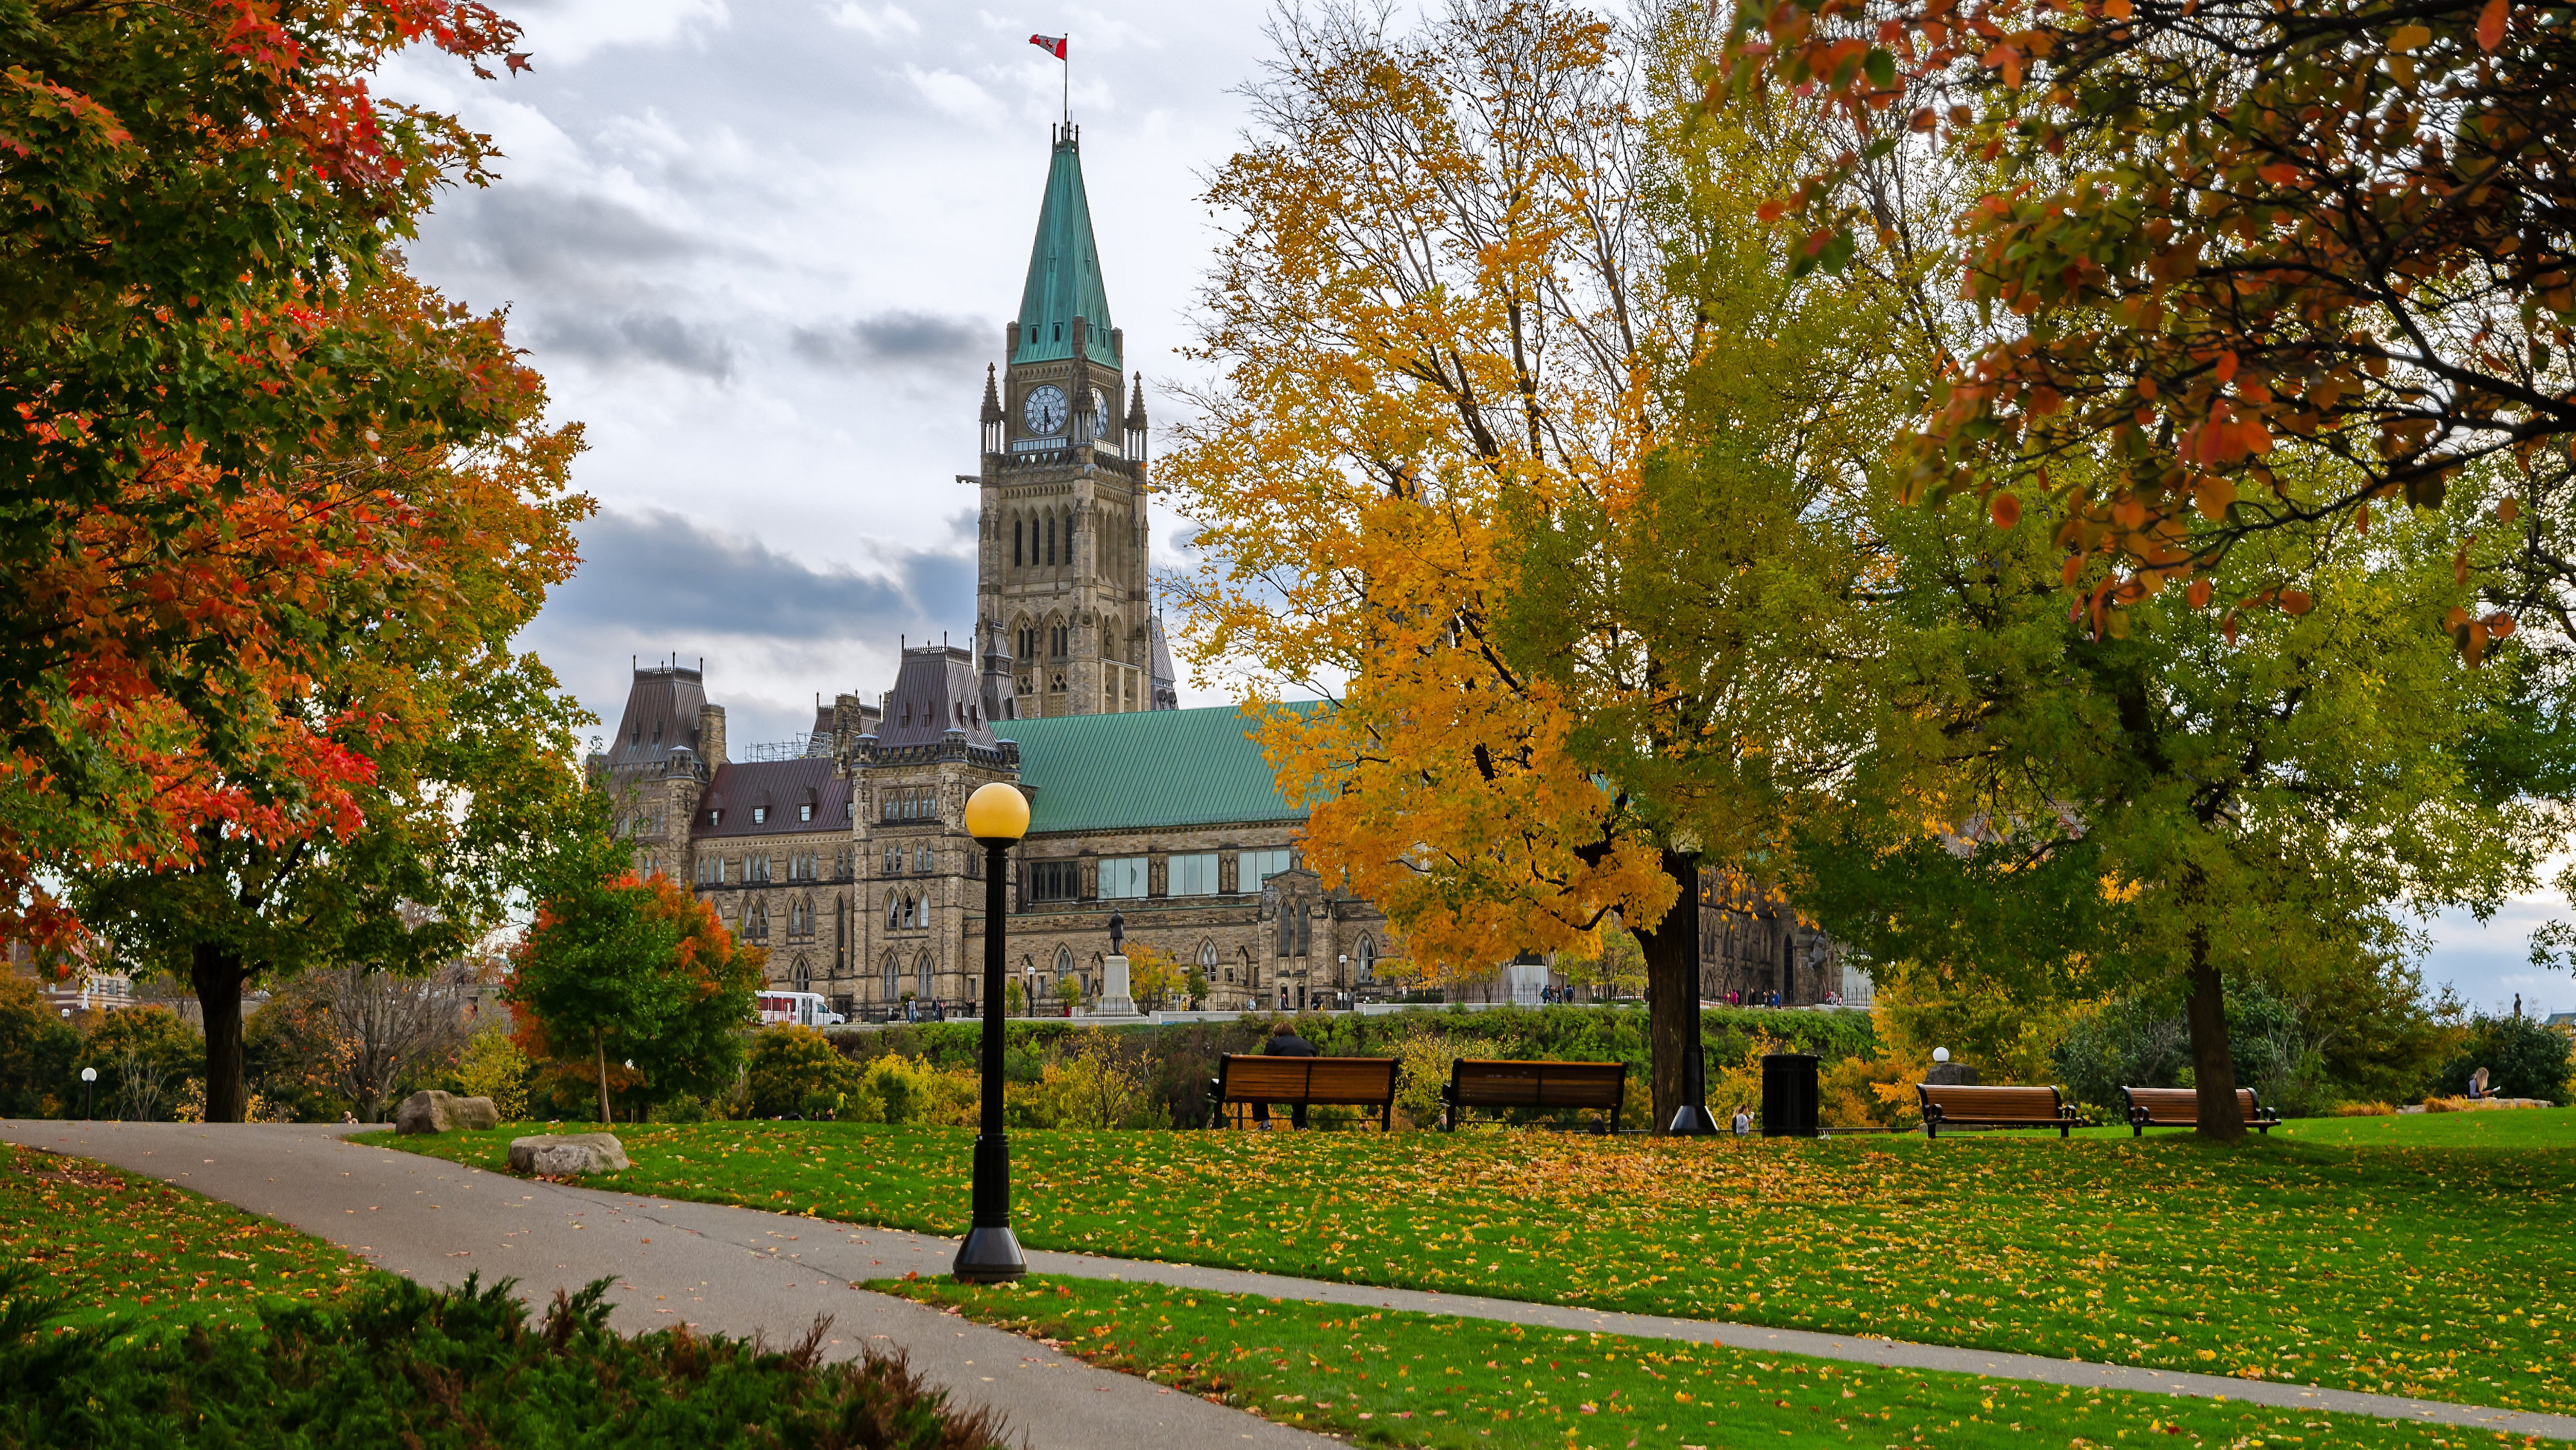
[(287, 1059), (1422, 1072), (413, 1366), (1099, 1086), (907, 1090), (39, 1052), (2134, 1042), (492, 1066), (796, 1071), (2365, 1110), (144, 1056), (1175, 1062), (1860, 1092), (2523, 1060)]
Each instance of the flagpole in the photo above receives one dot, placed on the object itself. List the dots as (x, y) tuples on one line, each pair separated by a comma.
[(1065, 62)]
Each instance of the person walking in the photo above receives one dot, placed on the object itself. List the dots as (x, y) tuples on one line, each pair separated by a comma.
[(1284, 1042)]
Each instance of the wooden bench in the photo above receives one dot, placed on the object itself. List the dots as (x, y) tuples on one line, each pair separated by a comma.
[(2180, 1108), (1476, 1082), (1243, 1079), (1957, 1105)]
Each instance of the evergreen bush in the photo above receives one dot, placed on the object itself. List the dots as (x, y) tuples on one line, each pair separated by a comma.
[(404, 1365)]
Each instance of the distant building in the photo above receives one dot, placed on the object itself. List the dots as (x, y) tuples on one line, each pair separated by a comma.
[(844, 853)]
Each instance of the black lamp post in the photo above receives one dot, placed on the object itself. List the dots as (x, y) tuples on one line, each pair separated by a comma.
[(997, 816)]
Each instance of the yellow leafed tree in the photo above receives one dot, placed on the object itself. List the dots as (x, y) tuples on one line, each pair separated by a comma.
[(1527, 455), (1423, 310)]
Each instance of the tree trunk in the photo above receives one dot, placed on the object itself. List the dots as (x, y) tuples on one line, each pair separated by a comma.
[(600, 1044), (2213, 1068), (1671, 948), (217, 976)]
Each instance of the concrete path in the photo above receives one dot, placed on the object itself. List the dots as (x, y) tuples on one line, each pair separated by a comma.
[(797, 1267), (731, 1270)]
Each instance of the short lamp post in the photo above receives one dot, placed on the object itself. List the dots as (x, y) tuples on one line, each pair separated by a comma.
[(89, 1080), (997, 816)]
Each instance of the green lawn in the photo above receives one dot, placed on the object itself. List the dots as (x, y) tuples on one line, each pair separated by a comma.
[(1416, 1379), (2426, 1255), (132, 1250)]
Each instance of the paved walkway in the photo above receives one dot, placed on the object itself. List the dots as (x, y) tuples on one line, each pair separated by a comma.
[(731, 1270), (541, 1218)]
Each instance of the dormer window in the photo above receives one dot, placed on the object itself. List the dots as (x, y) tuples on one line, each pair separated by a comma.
[(715, 817), (759, 814), (805, 813)]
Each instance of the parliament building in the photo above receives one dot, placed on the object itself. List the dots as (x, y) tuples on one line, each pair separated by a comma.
[(845, 854)]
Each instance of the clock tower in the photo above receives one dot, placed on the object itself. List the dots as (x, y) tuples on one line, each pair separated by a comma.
[(1064, 615)]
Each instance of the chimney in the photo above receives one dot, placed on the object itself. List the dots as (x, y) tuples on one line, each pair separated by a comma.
[(711, 735)]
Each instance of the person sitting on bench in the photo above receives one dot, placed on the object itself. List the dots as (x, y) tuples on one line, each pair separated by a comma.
[(1284, 1042)]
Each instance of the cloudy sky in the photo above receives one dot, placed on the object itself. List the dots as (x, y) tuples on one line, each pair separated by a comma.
[(763, 252)]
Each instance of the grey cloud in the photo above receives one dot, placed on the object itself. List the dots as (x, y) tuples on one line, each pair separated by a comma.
[(668, 575), (653, 337), (565, 241), (1183, 539), (897, 339)]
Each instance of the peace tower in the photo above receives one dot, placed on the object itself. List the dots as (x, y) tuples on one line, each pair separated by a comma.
[(1062, 604)]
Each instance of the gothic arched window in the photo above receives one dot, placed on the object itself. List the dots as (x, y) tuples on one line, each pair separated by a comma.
[(894, 911), (889, 970), (922, 970), (1050, 557), (804, 977), (1015, 543), (1367, 956)]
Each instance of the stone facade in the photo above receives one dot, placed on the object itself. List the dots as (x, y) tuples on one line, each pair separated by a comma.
[(1752, 943)]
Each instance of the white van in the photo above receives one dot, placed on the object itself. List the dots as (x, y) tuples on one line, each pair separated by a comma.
[(805, 1009)]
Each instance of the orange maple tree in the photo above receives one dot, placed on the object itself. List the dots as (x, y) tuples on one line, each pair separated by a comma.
[(192, 410), (2243, 265)]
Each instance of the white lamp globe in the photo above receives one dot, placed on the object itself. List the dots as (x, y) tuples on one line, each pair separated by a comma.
[(1940, 1054)]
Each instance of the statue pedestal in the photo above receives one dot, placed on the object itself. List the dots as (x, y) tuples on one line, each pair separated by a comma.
[(1114, 1001)]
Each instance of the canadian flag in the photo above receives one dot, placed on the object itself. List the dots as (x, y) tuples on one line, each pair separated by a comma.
[(1051, 44)]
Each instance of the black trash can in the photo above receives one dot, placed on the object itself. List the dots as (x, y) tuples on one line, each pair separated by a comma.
[(1788, 1095)]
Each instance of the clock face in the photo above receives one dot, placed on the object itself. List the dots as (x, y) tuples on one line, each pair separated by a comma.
[(1043, 411), (1100, 408)]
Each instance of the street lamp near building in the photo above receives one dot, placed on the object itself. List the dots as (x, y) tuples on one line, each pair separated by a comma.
[(997, 816), (89, 1076)]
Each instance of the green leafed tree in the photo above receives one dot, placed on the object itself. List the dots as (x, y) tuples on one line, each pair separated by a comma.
[(617, 970), (2180, 801)]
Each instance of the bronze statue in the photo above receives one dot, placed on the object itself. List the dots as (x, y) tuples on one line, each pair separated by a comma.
[(1117, 934)]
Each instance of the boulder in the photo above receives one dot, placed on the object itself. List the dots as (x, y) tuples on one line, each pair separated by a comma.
[(426, 1112), (568, 1155), (474, 1113)]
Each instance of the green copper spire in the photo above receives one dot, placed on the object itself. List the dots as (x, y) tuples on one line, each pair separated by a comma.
[(1064, 269)]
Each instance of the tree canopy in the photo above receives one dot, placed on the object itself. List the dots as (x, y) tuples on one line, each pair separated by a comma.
[(2217, 241), (191, 201)]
